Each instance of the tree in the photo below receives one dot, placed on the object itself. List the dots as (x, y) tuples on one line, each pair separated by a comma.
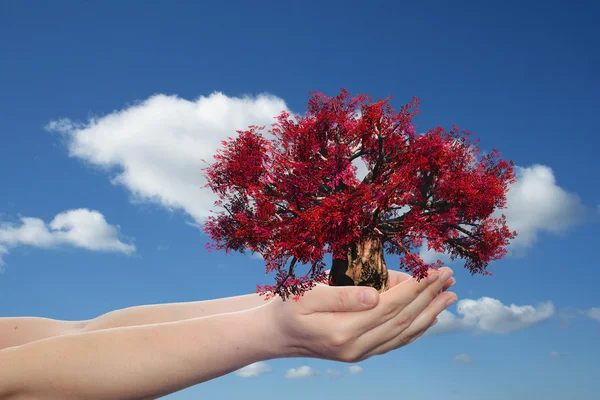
[(292, 195)]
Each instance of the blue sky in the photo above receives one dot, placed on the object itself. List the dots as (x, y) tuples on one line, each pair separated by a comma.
[(106, 108)]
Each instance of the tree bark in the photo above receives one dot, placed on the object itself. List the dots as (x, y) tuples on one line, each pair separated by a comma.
[(364, 266)]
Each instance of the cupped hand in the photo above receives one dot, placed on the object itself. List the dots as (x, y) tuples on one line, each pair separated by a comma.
[(396, 277), (352, 323)]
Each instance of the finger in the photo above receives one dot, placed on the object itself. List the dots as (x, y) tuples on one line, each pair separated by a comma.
[(415, 308), (397, 277), (435, 321), (398, 319), (418, 327), (401, 295), (426, 318), (386, 321), (324, 298), (391, 303), (448, 284)]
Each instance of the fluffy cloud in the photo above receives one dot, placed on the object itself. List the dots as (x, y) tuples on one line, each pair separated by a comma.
[(332, 372), (355, 369), (157, 146), (301, 372), (490, 315), (82, 228), (463, 359), (253, 370), (535, 204)]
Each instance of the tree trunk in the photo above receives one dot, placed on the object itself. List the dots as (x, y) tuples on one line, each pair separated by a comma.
[(363, 266)]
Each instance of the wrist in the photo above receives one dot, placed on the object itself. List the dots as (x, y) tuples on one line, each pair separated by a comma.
[(275, 337)]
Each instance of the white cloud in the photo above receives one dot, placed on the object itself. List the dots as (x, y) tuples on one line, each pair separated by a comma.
[(355, 369), (157, 145), (593, 313), (80, 228), (463, 359), (253, 370), (535, 204), (490, 315), (332, 372), (301, 372)]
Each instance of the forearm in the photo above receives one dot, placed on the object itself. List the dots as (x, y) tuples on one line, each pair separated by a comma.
[(139, 362), (22, 330), (158, 313)]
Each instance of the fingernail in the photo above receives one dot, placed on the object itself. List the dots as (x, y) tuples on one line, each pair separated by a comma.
[(433, 276), (451, 301), (367, 297), (452, 282), (446, 275)]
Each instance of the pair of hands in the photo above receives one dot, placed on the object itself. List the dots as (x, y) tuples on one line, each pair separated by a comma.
[(336, 323)]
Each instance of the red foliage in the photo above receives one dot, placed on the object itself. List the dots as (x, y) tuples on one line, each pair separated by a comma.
[(295, 195)]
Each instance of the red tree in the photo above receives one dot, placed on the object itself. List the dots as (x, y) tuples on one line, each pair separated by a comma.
[(294, 197)]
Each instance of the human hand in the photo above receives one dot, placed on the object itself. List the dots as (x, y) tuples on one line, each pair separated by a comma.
[(332, 323), (396, 277)]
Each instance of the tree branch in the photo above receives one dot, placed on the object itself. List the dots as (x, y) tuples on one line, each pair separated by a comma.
[(466, 232), (290, 273), (357, 154)]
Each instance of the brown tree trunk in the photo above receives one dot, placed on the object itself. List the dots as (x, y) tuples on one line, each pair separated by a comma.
[(363, 266)]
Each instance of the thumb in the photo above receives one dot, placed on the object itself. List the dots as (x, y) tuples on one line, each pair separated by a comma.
[(341, 298)]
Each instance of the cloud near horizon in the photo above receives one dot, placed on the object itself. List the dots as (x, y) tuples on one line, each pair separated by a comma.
[(156, 147), (488, 315), (254, 370), (303, 371), (306, 371), (463, 359), (80, 228)]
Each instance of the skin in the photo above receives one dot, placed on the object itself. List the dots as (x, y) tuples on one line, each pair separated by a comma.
[(151, 351)]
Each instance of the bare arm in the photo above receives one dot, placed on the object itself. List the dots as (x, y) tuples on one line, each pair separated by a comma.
[(22, 330), (139, 362), (348, 324), (157, 313)]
